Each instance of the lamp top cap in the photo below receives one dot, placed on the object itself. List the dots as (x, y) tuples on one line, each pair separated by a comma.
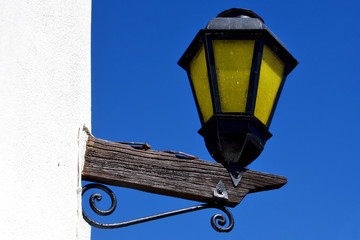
[(239, 13), (236, 19)]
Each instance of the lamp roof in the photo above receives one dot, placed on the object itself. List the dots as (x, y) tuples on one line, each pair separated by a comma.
[(237, 20), (240, 19)]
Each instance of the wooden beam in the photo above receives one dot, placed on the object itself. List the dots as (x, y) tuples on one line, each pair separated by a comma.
[(164, 173)]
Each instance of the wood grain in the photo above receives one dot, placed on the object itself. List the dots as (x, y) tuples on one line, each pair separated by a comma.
[(164, 173)]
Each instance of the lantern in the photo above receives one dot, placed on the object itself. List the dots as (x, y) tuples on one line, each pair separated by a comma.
[(237, 68)]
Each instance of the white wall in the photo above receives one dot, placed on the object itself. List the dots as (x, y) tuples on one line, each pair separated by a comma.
[(44, 99)]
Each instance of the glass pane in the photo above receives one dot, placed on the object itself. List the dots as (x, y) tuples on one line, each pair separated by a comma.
[(233, 59), (271, 74), (199, 77)]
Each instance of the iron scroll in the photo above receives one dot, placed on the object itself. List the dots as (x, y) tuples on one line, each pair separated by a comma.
[(218, 221)]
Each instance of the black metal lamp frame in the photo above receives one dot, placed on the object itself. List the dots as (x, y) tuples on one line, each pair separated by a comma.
[(236, 139), (262, 37)]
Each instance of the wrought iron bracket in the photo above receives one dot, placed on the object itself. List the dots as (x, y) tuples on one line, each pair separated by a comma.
[(218, 221)]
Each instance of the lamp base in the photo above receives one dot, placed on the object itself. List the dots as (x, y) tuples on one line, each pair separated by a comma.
[(234, 139)]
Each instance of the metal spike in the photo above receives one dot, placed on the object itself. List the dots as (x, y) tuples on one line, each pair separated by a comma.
[(236, 174)]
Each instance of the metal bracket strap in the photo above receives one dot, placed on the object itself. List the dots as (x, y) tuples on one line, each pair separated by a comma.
[(220, 195)]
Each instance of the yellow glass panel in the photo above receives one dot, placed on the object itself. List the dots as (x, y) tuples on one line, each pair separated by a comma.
[(199, 77), (233, 59), (271, 74)]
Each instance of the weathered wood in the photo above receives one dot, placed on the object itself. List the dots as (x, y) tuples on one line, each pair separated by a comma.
[(165, 173)]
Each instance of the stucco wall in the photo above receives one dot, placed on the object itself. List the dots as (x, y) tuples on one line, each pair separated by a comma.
[(44, 100)]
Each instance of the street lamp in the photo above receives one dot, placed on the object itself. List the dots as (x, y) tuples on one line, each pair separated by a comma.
[(237, 68)]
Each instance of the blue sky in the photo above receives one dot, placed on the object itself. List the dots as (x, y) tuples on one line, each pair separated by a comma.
[(139, 93)]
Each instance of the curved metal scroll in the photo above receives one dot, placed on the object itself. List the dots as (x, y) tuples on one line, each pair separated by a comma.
[(217, 219)]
